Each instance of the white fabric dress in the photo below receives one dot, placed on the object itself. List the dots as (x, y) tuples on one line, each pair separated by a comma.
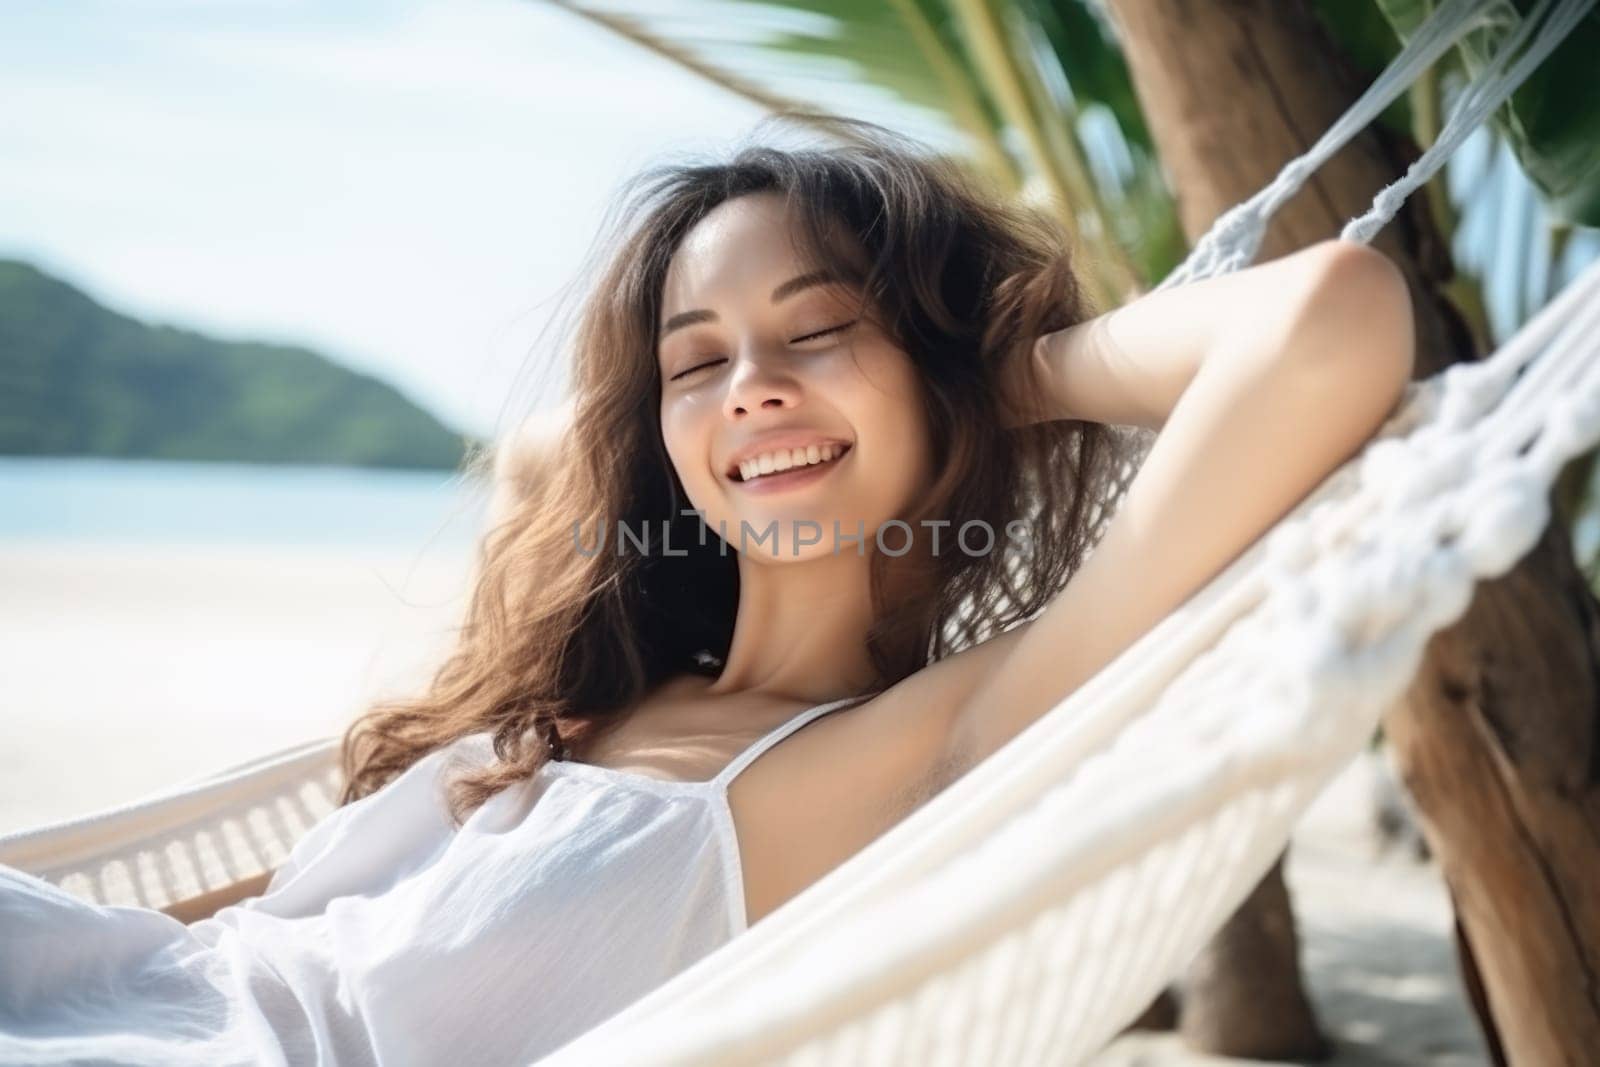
[(389, 937)]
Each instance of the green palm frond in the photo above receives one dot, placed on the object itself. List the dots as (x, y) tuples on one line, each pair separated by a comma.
[(978, 69)]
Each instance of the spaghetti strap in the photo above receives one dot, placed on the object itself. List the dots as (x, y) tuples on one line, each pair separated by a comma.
[(749, 755)]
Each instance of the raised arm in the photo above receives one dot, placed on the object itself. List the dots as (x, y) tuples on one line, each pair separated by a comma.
[(1131, 365), (1262, 382)]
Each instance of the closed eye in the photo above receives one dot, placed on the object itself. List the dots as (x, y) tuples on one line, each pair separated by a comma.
[(691, 370), (808, 337), (824, 333)]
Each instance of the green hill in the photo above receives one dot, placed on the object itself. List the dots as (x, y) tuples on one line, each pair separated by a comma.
[(77, 379)]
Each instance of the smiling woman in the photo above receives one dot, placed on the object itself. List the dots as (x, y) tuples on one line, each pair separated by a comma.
[(771, 377), (793, 360), (788, 388)]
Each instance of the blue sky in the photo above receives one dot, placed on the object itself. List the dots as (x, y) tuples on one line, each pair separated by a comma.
[(407, 186), (404, 186)]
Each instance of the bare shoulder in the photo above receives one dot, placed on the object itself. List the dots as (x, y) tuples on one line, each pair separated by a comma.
[(902, 736), (865, 768), (845, 779)]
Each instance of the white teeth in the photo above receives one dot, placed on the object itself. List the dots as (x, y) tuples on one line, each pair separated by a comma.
[(772, 462)]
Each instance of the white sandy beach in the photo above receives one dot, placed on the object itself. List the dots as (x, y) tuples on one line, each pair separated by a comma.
[(123, 672)]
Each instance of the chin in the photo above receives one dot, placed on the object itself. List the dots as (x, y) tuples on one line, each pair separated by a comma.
[(772, 535)]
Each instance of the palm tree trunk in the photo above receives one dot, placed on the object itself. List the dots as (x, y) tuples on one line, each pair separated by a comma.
[(1242, 994), (1498, 736)]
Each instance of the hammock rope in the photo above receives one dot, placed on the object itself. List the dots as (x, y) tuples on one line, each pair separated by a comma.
[(1234, 239)]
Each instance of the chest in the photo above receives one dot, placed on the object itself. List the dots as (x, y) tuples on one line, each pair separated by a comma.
[(802, 806)]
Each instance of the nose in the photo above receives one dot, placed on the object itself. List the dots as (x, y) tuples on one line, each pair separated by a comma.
[(758, 382)]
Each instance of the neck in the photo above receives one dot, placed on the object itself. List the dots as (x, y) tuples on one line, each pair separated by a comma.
[(801, 629), (800, 632)]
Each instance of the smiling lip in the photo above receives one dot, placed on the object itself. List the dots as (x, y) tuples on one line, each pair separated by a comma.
[(778, 442), (793, 478)]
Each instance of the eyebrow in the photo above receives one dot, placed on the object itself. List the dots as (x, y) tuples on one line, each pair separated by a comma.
[(824, 276)]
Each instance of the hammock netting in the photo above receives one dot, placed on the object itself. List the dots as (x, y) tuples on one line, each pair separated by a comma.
[(1030, 911)]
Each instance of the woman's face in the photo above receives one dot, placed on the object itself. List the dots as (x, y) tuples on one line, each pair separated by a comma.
[(757, 364)]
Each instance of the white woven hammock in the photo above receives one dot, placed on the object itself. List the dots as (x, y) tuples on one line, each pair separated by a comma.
[(1030, 911)]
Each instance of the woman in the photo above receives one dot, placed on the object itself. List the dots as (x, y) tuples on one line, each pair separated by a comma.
[(838, 428)]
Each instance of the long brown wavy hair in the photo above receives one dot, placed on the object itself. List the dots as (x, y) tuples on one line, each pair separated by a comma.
[(557, 644)]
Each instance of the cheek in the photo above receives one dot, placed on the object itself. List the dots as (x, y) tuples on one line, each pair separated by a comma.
[(905, 444), (895, 392), (684, 436)]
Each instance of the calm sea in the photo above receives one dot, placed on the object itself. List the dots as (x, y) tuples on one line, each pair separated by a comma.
[(153, 502)]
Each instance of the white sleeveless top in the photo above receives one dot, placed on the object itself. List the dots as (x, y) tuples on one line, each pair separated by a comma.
[(390, 937)]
